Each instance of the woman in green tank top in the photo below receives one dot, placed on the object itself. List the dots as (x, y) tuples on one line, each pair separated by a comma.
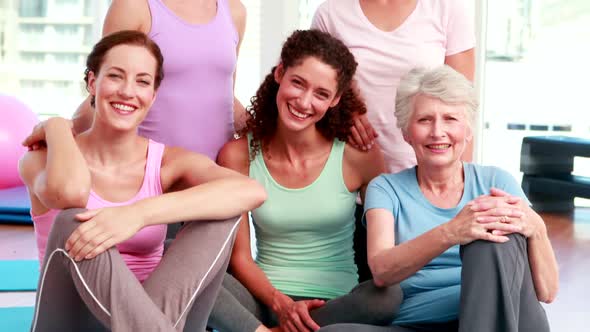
[(304, 275)]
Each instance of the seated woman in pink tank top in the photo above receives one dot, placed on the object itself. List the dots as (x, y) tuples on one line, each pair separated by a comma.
[(100, 201)]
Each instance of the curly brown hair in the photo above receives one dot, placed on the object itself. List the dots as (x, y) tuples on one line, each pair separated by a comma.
[(337, 122), (124, 37)]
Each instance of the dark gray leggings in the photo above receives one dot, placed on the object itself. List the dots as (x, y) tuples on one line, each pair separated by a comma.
[(497, 293), (102, 292), (237, 310)]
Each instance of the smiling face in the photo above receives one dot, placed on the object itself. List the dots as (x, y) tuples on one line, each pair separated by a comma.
[(437, 131), (306, 92), (124, 87)]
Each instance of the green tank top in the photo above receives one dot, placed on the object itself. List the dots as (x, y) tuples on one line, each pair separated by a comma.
[(304, 236)]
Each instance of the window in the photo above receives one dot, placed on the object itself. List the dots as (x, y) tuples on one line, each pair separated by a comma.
[(536, 70), (32, 58), (33, 8), (43, 43)]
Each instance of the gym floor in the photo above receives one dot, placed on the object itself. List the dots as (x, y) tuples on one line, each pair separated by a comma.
[(569, 233)]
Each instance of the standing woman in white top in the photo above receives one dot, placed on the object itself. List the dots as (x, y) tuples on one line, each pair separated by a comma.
[(389, 38)]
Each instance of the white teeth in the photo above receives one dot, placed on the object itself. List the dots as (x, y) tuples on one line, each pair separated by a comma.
[(439, 146), (298, 114), (123, 108)]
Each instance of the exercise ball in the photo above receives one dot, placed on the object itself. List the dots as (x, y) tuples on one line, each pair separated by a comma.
[(16, 122)]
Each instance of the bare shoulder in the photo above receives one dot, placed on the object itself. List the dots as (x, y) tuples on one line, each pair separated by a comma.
[(238, 13), (118, 16), (367, 163), (235, 155)]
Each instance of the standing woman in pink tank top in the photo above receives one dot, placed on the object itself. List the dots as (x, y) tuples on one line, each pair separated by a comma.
[(103, 267), (196, 108)]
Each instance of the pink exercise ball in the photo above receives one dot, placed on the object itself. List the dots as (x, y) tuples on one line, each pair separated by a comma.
[(16, 122)]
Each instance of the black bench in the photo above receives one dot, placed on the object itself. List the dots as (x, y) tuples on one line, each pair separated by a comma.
[(547, 163)]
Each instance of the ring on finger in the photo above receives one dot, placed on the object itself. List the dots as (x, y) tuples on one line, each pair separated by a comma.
[(503, 219)]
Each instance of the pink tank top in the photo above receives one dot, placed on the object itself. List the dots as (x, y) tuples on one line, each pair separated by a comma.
[(142, 252), (194, 108)]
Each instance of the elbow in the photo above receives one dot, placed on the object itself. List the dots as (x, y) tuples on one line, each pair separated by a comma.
[(378, 272), (547, 298), (70, 196), (548, 294), (257, 194)]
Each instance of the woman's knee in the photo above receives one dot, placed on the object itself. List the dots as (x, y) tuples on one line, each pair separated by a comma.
[(64, 225), (382, 303), (482, 248)]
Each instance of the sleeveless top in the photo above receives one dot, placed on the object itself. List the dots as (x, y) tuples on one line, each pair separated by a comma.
[(194, 105), (304, 236), (143, 251)]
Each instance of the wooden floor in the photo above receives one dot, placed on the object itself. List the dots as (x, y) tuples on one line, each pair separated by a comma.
[(569, 233)]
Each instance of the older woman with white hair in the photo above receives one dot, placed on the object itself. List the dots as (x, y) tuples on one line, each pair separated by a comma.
[(461, 239)]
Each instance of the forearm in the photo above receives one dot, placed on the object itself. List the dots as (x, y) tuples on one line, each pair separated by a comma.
[(544, 269), (83, 117), (239, 115), (397, 263), (254, 279), (66, 182), (215, 200)]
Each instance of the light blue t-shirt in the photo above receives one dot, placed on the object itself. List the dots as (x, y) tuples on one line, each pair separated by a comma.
[(432, 294)]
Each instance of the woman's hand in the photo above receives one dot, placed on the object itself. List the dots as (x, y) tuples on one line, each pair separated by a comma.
[(294, 315), (102, 229), (467, 226), (529, 222), (36, 139), (362, 133)]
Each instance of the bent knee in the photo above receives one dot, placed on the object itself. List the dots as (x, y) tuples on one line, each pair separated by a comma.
[(65, 223), (382, 302), (387, 301)]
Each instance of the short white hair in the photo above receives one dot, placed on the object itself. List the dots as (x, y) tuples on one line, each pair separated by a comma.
[(441, 82)]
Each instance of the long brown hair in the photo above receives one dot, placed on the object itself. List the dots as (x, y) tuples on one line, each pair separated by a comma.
[(336, 123)]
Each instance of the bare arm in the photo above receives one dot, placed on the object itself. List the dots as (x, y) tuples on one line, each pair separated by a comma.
[(392, 263), (215, 192), (463, 62), (362, 167), (542, 260), (58, 176), (238, 12)]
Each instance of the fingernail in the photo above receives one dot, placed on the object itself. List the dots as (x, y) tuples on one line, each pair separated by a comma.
[(88, 256), (68, 248)]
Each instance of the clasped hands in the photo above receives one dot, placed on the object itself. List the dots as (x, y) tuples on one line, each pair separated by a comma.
[(492, 217)]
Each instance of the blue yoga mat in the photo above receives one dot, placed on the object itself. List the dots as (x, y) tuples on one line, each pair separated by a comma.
[(6, 218), (15, 200), (16, 319), (18, 275)]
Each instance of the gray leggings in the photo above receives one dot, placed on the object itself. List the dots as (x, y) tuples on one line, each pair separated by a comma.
[(102, 293), (238, 310), (497, 293)]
